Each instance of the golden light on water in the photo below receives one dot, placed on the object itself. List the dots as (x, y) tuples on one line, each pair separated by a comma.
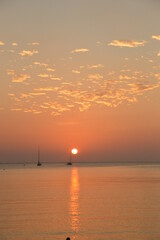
[(74, 151), (74, 200)]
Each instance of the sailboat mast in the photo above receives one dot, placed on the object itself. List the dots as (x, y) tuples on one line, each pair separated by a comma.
[(39, 163), (70, 158), (38, 154)]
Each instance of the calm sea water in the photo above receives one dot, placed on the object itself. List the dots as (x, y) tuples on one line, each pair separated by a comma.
[(83, 202)]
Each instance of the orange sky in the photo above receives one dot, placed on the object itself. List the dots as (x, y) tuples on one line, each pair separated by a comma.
[(76, 74)]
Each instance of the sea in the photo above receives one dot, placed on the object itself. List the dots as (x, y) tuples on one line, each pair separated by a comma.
[(82, 201)]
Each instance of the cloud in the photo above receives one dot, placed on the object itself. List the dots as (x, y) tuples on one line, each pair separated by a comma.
[(127, 43), (37, 63), (99, 43), (140, 87), (28, 53), (50, 70), (34, 44), (95, 76), (45, 89), (125, 77), (1, 43), (43, 75), (158, 54), (157, 75), (81, 67), (156, 37), (80, 50), (95, 66), (24, 95), (41, 64), (16, 109), (37, 112), (56, 78), (11, 94), (76, 71), (56, 106), (20, 78), (84, 106), (37, 93), (11, 51), (14, 44), (11, 72)]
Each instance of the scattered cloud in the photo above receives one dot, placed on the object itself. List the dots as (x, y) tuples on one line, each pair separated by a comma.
[(28, 53), (76, 71), (11, 94), (122, 77), (157, 75), (11, 72), (2, 43), (43, 75), (16, 109), (80, 50), (156, 37), (111, 73), (20, 78), (96, 66), (37, 63), (140, 87), (127, 43), (99, 43), (50, 70), (95, 76), (37, 93), (41, 64), (34, 44), (14, 44), (56, 78), (46, 91), (11, 51)]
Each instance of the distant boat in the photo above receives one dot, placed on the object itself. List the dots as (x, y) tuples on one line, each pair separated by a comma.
[(70, 161), (39, 163)]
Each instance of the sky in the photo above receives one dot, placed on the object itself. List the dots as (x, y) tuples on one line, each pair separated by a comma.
[(83, 74)]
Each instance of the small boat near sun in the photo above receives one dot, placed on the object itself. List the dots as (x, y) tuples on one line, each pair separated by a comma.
[(39, 163), (70, 160), (74, 151), (69, 163)]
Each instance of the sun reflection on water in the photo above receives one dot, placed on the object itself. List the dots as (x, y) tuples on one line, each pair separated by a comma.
[(74, 200)]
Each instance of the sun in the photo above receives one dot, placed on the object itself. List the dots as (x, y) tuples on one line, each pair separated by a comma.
[(74, 151)]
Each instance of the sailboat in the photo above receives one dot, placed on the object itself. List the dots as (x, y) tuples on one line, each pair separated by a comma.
[(70, 160), (69, 163), (39, 163)]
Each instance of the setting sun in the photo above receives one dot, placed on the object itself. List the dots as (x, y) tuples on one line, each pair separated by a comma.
[(74, 151)]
